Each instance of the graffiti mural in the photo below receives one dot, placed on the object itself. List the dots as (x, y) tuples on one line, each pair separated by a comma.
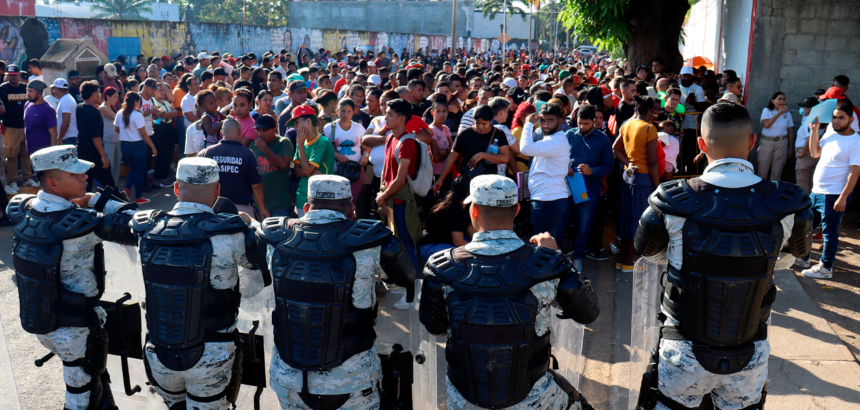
[(157, 38)]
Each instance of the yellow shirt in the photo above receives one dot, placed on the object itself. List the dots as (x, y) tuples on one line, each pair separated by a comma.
[(522, 160), (636, 135)]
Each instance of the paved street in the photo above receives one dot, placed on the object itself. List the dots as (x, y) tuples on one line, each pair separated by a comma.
[(810, 368)]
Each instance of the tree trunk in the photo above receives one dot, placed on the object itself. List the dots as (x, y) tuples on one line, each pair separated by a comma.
[(655, 32)]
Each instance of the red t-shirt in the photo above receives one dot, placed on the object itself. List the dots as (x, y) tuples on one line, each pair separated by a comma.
[(615, 100), (339, 84), (408, 150)]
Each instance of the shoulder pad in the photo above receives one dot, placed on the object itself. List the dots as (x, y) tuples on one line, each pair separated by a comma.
[(787, 199), (274, 230), (676, 198), (223, 224), (546, 264), (146, 220), (364, 234), (443, 267), (18, 206), (78, 222)]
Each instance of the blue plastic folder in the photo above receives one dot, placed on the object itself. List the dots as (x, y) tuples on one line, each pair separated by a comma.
[(576, 183)]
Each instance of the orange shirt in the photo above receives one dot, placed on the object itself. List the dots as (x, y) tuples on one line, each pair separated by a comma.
[(636, 135), (177, 98)]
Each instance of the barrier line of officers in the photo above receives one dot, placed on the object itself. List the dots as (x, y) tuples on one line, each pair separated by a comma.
[(491, 299)]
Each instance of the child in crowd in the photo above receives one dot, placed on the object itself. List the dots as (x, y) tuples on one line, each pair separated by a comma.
[(671, 147)]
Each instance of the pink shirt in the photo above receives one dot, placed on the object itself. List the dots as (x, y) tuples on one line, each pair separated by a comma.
[(441, 136), (248, 128)]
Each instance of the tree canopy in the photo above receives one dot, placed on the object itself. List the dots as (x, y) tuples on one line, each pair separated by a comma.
[(121, 9)]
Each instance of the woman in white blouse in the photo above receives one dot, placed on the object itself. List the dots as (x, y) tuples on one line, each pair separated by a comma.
[(777, 135)]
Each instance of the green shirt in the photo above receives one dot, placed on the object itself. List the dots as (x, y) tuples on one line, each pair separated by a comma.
[(321, 155), (274, 179)]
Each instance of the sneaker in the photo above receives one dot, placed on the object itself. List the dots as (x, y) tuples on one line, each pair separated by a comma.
[(127, 194), (577, 264), (802, 263), (596, 255), (11, 189), (31, 183), (625, 268), (819, 237), (615, 250), (166, 183), (818, 271), (141, 201), (401, 304)]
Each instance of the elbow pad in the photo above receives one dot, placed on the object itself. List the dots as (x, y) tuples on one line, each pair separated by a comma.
[(116, 227), (398, 266), (256, 255), (651, 236), (432, 310), (577, 299), (800, 241)]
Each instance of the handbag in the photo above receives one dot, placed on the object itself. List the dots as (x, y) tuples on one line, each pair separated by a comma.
[(350, 170), (481, 168)]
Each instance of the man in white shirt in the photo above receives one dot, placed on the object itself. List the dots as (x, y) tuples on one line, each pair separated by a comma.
[(35, 70), (833, 181), (805, 164), (147, 108), (66, 122), (550, 158), (693, 97)]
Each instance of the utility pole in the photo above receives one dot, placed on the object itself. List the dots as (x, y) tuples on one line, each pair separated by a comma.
[(555, 48), (505, 30), (245, 11), (454, 32), (530, 30)]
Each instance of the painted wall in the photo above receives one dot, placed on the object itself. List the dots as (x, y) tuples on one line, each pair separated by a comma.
[(24, 38)]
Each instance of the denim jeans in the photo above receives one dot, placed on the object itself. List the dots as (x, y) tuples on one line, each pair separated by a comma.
[(823, 213), (579, 217), (548, 216), (134, 154), (403, 234)]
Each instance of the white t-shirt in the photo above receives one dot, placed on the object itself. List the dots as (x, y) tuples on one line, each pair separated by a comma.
[(377, 153), (838, 154), (68, 105), (135, 123), (346, 142), (689, 121), (146, 105), (780, 126), (187, 104)]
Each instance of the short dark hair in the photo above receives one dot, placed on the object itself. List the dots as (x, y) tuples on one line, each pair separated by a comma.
[(543, 95), (498, 104), (338, 205), (842, 80), (642, 105), (586, 112), (845, 106), (277, 74), (674, 91), (495, 213), (723, 114), (242, 84), (412, 83), (658, 61), (88, 88), (206, 75), (400, 107), (484, 112), (35, 63), (552, 109), (732, 80)]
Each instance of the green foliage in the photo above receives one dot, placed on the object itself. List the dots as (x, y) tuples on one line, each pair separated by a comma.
[(493, 7), (263, 13), (121, 9), (602, 22)]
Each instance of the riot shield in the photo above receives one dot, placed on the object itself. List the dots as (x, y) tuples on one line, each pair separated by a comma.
[(9, 397), (408, 354), (645, 327), (566, 337)]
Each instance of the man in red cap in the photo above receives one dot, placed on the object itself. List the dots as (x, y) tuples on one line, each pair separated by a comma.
[(837, 93), (314, 152)]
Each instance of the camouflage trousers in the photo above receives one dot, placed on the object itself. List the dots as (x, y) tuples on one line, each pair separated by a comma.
[(208, 377), (682, 379), (546, 394), (69, 344)]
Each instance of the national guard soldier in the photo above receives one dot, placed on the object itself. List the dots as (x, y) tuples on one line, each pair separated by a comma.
[(190, 259), (325, 266), (493, 297), (722, 233), (59, 269)]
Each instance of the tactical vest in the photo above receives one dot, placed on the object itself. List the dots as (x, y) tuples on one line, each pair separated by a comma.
[(316, 327), (494, 353), (37, 249), (723, 293), (182, 309)]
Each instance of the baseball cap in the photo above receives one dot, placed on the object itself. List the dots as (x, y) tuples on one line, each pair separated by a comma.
[(330, 187), (342, 65), (833, 93), (492, 190), (165, 58), (509, 82), (819, 92), (265, 122), (62, 157), (110, 70), (74, 73), (525, 67), (203, 56), (189, 60), (297, 85), (517, 93), (563, 74), (686, 70), (371, 63), (302, 111), (61, 83), (808, 102), (197, 170), (374, 79)]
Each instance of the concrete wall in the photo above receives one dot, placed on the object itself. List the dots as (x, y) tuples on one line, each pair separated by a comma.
[(424, 17), (799, 46)]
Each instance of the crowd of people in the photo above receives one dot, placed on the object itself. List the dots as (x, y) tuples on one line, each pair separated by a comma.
[(587, 139)]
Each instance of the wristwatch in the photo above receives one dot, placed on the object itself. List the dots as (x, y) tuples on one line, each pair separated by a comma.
[(366, 154)]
